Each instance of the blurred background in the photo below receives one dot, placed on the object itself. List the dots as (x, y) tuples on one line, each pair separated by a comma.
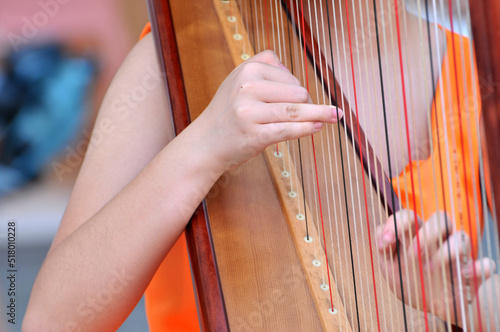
[(57, 58)]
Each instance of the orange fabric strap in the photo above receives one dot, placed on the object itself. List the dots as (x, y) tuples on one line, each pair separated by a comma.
[(146, 30)]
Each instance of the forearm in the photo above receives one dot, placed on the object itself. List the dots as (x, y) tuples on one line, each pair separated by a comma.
[(260, 103), (112, 257)]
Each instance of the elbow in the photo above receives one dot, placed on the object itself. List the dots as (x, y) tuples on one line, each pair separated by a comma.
[(36, 320), (29, 325)]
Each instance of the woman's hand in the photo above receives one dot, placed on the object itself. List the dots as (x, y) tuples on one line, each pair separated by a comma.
[(259, 103), (439, 246)]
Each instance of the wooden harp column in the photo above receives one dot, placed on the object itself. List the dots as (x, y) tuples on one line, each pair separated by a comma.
[(239, 285)]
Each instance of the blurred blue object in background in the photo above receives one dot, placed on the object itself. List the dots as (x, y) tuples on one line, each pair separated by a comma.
[(42, 106)]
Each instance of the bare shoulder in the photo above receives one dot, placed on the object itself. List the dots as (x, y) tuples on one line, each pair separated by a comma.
[(133, 125)]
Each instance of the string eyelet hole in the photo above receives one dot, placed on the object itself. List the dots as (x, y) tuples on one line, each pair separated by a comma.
[(324, 287), (237, 36), (316, 263), (308, 239), (285, 174), (292, 194), (278, 154), (245, 56), (300, 216), (332, 311), (231, 19)]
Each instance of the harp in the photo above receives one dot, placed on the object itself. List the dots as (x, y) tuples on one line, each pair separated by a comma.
[(256, 264)]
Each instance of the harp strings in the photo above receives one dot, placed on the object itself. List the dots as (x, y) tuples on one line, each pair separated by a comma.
[(271, 31), (412, 110), (466, 105), (388, 150), (457, 218), (267, 30), (468, 215), (425, 70), (301, 62), (340, 188), (448, 158), (334, 195), (381, 216), (362, 160), (369, 127), (403, 89), (315, 161), (318, 89)]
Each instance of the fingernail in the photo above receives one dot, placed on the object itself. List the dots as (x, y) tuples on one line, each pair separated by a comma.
[(337, 113), (318, 125), (415, 249), (386, 240), (282, 66), (430, 266), (388, 237)]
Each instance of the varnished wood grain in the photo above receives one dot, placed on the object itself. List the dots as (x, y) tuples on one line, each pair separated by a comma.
[(247, 241)]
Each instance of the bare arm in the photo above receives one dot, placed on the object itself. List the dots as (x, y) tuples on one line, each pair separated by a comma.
[(135, 194)]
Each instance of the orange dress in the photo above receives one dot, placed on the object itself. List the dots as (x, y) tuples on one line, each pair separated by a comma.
[(446, 98), (170, 300)]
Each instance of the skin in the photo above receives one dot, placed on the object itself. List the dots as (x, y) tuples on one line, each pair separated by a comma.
[(103, 229), (116, 214), (434, 242), (435, 227)]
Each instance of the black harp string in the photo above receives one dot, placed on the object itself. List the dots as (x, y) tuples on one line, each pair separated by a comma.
[(301, 159), (401, 188), (361, 98), (342, 121), (326, 91), (335, 102), (349, 135), (385, 206), (317, 202), (424, 71), (283, 53), (389, 162), (418, 182), (377, 128), (354, 188), (298, 141), (312, 155)]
